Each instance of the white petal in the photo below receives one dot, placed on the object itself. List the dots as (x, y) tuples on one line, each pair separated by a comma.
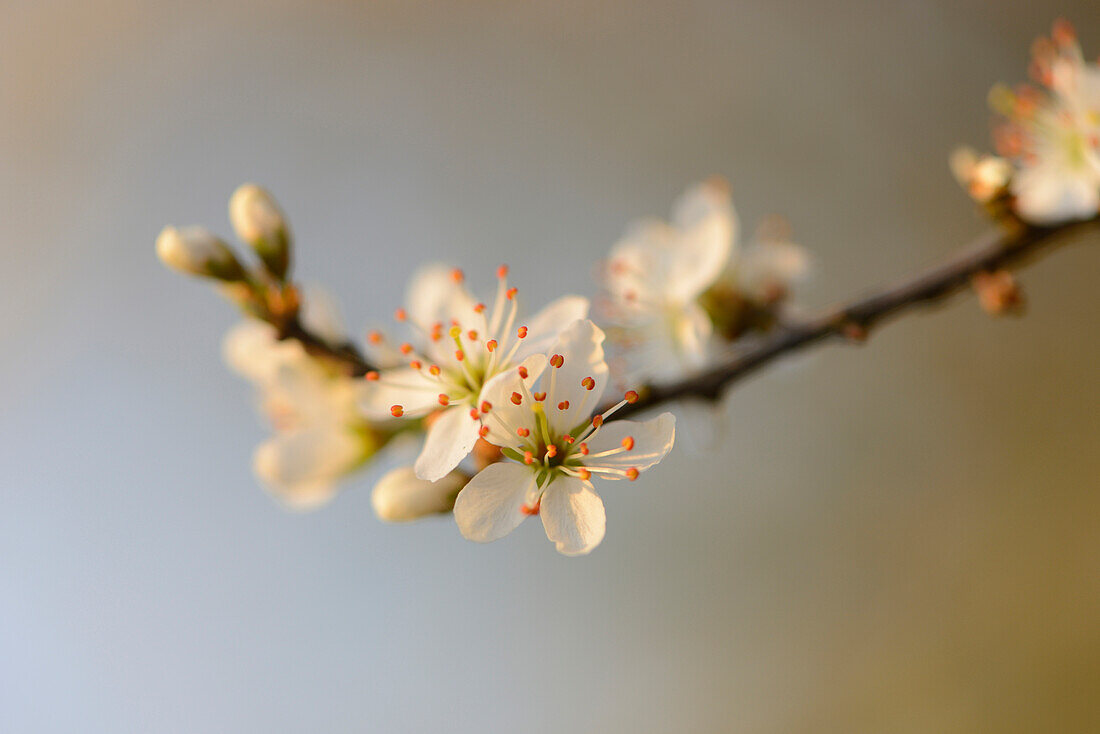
[(251, 349), (706, 222), (302, 468), (581, 346), (414, 391), (434, 296), (400, 496), (490, 505), (450, 439), (1048, 194), (321, 314), (573, 516), (653, 440), (638, 264), (545, 326), (504, 416)]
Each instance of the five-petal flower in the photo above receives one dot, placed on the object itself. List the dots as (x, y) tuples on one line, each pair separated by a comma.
[(462, 346), (540, 414)]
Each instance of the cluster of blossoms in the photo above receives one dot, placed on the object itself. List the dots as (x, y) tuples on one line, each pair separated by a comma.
[(1047, 169), (509, 403)]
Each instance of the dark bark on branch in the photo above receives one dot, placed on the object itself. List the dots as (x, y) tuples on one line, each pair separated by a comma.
[(346, 354)]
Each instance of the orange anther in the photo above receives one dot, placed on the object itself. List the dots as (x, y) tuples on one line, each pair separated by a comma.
[(568, 439), (528, 457), (516, 398), (397, 411), (474, 414), (583, 473), (486, 406), (491, 344), (631, 396), (372, 376), (557, 360), (479, 308), (632, 474), (523, 432), (539, 396), (583, 448), (502, 271), (511, 293), (400, 314), (529, 511), (522, 332), (588, 383), (416, 364), (374, 337), (443, 399), (597, 420), (551, 451), (483, 431), (522, 372), (563, 405), (434, 370), (406, 348), (457, 275), (628, 443), (460, 355), (471, 335)]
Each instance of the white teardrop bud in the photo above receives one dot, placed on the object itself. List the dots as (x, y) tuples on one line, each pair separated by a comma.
[(257, 220), (196, 251), (400, 496)]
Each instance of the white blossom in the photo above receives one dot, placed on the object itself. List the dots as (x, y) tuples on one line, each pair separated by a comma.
[(540, 414), (461, 345), (320, 435), (657, 271), (1053, 134)]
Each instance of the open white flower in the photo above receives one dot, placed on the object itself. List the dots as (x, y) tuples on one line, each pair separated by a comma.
[(320, 436), (657, 272), (462, 346), (1054, 136), (540, 414)]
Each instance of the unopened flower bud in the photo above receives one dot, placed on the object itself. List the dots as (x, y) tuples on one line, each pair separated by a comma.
[(998, 293), (982, 176), (196, 251), (257, 220), (400, 496)]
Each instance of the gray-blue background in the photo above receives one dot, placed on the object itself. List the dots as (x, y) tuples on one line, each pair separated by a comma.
[(899, 538)]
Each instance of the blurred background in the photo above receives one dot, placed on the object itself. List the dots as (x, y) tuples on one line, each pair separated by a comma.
[(903, 537)]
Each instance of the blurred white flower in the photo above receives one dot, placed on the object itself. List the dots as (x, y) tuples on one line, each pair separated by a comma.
[(400, 496), (197, 251), (320, 436), (462, 346), (657, 272), (540, 414), (673, 286), (1053, 134)]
